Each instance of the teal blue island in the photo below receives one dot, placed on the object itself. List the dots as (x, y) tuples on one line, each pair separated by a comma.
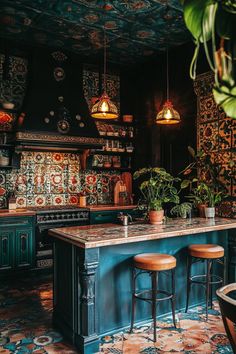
[(92, 273)]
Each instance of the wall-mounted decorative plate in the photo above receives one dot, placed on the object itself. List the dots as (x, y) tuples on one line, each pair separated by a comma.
[(59, 74), (63, 126)]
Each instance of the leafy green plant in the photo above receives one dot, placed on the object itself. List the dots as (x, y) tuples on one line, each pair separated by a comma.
[(204, 194), (202, 165), (199, 194), (182, 209), (157, 188), (212, 24), (213, 198)]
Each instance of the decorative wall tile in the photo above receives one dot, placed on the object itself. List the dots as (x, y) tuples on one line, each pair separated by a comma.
[(217, 137), (208, 110), (208, 136), (55, 179), (12, 89)]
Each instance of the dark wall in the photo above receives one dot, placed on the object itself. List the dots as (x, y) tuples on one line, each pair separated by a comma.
[(164, 146)]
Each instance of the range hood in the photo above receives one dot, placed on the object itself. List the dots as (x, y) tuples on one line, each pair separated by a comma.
[(55, 113), (42, 141)]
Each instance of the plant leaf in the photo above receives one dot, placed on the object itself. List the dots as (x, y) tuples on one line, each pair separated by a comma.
[(191, 151), (185, 183), (208, 22), (194, 11)]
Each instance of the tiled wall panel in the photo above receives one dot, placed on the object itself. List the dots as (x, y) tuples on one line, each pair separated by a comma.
[(55, 179), (217, 137)]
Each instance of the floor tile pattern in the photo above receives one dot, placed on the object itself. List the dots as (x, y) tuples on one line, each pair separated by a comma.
[(25, 327)]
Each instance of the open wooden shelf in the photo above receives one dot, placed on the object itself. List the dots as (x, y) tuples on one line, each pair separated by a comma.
[(111, 168), (113, 137), (111, 153)]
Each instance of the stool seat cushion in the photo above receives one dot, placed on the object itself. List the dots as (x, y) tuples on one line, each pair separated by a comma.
[(208, 251), (154, 261)]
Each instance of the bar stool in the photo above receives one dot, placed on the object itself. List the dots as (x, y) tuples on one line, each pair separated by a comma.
[(205, 253), (153, 263)]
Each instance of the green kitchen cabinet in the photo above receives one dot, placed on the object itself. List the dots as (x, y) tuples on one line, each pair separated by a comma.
[(7, 249), (17, 243), (111, 216)]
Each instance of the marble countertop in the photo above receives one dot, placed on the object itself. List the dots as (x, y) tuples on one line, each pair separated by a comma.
[(110, 207), (111, 234), (16, 212)]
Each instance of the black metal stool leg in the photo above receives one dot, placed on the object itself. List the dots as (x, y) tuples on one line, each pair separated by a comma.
[(173, 293), (208, 279), (225, 270), (189, 264), (210, 288), (154, 304), (133, 305)]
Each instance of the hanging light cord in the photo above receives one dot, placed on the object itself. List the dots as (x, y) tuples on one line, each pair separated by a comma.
[(167, 73), (105, 60)]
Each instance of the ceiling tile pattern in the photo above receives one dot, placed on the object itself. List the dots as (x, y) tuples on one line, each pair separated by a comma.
[(136, 29)]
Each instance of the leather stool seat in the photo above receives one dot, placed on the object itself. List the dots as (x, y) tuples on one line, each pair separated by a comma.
[(154, 261), (207, 251)]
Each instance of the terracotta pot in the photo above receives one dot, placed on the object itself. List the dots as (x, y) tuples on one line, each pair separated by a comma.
[(201, 210), (156, 217)]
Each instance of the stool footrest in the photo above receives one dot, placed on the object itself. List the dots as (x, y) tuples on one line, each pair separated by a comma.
[(204, 282), (140, 294)]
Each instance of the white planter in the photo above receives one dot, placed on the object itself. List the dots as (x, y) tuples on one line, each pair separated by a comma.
[(210, 212)]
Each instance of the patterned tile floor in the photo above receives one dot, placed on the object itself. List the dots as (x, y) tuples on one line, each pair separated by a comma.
[(25, 327)]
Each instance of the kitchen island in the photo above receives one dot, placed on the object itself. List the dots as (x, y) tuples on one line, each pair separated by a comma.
[(92, 273)]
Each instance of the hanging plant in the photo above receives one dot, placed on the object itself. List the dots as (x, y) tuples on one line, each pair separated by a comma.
[(213, 25)]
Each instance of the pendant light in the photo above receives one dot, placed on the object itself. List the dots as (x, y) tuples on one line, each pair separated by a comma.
[(104, 108), (168, 115)]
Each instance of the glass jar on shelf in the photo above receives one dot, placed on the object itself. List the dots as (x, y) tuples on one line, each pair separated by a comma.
[(129, 147), (131, 132)]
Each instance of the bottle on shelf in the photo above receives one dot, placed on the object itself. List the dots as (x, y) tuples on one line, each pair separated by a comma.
[(12, 201)]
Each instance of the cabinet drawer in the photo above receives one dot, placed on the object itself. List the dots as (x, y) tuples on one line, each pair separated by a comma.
[(17, 221)]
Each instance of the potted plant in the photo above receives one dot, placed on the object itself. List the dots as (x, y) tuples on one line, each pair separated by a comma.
[(157, 189), (182, 210), (199, 198), (213, 199)]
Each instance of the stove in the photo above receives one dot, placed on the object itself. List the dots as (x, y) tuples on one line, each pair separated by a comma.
[(53, 217)]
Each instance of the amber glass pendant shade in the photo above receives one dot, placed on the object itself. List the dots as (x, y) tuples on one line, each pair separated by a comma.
[(168, 115), (104, 108)]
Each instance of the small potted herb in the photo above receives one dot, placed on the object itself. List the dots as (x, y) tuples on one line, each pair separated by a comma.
[(213, 199), (182, 210), (199, 198)]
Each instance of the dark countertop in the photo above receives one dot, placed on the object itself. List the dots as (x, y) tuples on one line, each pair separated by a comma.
[(111, 234)]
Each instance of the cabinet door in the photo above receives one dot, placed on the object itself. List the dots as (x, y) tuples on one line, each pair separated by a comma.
[(103, 217), (24, 248), (7, 249)]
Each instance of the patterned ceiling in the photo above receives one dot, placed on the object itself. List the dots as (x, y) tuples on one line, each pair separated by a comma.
[(136, 29)]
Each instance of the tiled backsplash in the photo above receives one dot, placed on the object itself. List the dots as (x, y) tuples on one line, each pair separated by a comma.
[(55, 179)]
